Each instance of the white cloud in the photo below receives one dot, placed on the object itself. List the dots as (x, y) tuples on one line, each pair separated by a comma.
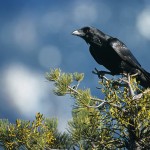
[(25, 89), (143, 23), (49, 56), (28, 93)]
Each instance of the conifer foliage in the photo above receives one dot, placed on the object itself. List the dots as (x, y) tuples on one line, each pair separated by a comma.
[(119, 121)]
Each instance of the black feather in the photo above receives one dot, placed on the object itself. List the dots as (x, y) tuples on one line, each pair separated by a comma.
[(113, 54)]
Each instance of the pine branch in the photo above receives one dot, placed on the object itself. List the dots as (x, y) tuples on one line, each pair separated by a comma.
[(93, 118)]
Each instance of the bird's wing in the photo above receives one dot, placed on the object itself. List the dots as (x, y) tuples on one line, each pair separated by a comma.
[(125, 54)]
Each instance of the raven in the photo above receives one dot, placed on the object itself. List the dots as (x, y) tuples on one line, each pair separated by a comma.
[(113, 54)]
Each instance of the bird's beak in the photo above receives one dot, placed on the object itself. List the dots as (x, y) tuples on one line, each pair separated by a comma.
[(78, 33)]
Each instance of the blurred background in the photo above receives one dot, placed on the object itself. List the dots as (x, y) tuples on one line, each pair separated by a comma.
[(36, 35)]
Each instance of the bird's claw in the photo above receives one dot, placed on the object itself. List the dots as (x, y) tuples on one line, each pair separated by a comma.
[(101, 74)]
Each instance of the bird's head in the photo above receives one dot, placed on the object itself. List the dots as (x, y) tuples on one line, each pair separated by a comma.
[(91, 35)]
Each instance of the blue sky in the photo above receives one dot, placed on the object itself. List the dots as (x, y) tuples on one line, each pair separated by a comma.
[(36, 35)]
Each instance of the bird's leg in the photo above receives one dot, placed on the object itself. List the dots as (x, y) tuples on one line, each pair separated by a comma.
[(101, 74)]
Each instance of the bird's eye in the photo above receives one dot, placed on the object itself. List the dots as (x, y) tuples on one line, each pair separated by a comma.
[(86, 30)]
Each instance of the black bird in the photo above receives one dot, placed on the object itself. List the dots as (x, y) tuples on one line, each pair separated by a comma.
[(113, 54)]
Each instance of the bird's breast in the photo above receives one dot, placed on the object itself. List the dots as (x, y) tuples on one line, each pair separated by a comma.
[(107, 57)]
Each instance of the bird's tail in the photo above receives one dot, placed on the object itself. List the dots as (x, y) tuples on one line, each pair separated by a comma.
[(144, 78)]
